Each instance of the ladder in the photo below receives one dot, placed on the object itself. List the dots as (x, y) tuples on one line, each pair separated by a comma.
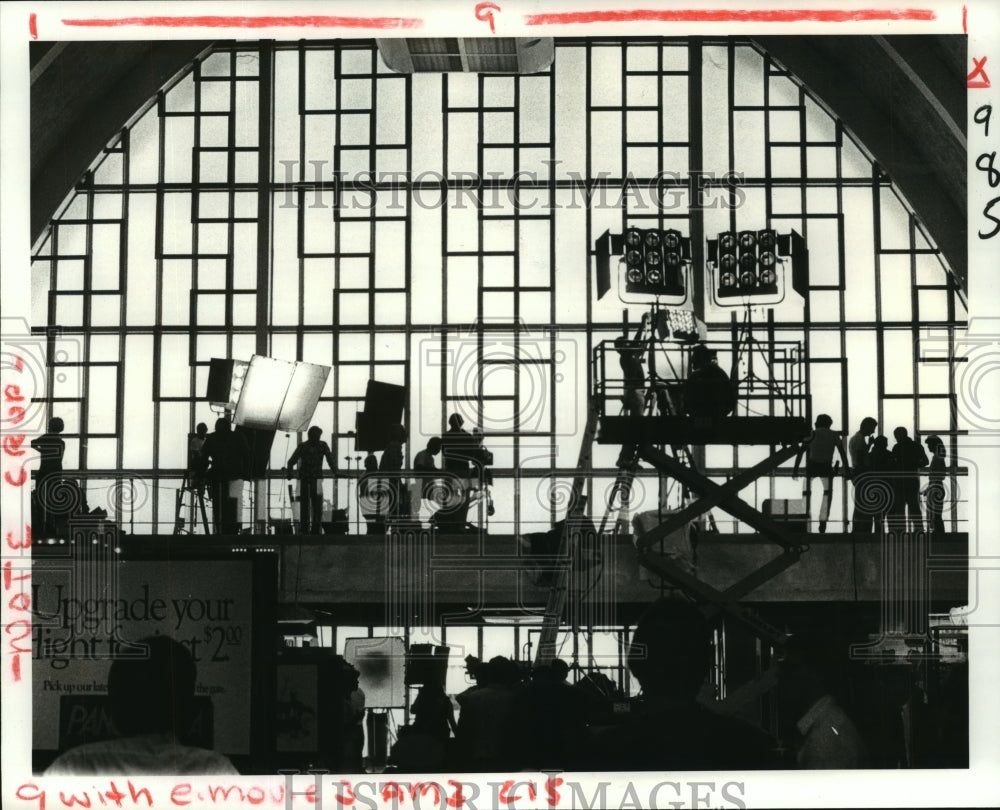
[(195, 507), (559, 591)]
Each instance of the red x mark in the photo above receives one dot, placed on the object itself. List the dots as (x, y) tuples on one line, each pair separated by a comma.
[(978, 70)]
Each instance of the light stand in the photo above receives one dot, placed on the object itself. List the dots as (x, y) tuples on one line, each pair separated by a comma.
[(747, 346), (349, 470)]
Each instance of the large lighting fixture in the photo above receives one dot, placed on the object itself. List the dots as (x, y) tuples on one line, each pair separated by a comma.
[(280, 395), (654, 261), (747, 263)]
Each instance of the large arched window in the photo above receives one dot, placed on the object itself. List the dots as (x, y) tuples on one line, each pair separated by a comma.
[(437, 231)]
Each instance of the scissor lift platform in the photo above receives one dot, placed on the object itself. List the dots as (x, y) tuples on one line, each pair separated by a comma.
[(700, 431)]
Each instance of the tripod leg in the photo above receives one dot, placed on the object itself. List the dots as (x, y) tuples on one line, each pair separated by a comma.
[(178, 505), (201, 506)]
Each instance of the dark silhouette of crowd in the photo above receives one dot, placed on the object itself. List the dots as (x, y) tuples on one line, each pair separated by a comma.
[(887, 487)]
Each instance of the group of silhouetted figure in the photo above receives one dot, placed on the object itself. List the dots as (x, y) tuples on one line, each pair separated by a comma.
[(510, 721), (446, 493), (886, 482)]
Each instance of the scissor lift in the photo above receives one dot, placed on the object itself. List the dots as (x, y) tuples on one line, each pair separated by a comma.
[(645, 437)]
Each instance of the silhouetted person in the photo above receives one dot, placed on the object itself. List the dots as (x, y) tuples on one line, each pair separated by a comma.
[(309, 456), (708, 391), (908, 457), (50, 448), (229, 455), (858, 446), (877, 491), (634, 376), (549, 721), (819, 449), (825, 737), (151, 698), (392, 464), (373, 497), (433, 712), (197, 465), (457, 451), (484, 733), (934, 491), (671, 655), (474, 669), (425, 744), (425, 468)]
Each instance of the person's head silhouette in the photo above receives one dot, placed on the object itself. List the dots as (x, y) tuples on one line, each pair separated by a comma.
[(223, 425), (671, 651), (153, 693), (56, 425), (314, 433)]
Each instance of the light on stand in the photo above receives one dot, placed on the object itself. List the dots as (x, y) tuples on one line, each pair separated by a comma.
[(747, 264)]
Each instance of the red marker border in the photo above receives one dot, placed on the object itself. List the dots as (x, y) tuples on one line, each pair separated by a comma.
[(731, 15)]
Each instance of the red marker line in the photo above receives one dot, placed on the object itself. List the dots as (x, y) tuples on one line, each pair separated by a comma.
[(250, 22), (730, 15), (33, 25)]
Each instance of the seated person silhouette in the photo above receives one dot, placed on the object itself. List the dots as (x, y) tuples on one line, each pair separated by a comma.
[(708, 391), (668, 729), (152, 707)]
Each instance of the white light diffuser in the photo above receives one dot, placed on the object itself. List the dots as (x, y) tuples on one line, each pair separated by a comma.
[(381, 665), (280, 395)]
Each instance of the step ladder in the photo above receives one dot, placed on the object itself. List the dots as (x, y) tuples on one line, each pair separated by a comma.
[(559, 591), (190, 500)]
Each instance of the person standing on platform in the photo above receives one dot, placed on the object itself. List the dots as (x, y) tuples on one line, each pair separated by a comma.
[(197, 463), (456, 446), (819, 449), (50, 448), (309, 456), (392, 464), (908, 458), (858, 447), (634, 376), (425, 468), (229, 457), (877, 491), (934, 491), (373, 498)]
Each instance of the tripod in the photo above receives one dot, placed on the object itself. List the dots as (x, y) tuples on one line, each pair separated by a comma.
[(197, 492), (746, 347)]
